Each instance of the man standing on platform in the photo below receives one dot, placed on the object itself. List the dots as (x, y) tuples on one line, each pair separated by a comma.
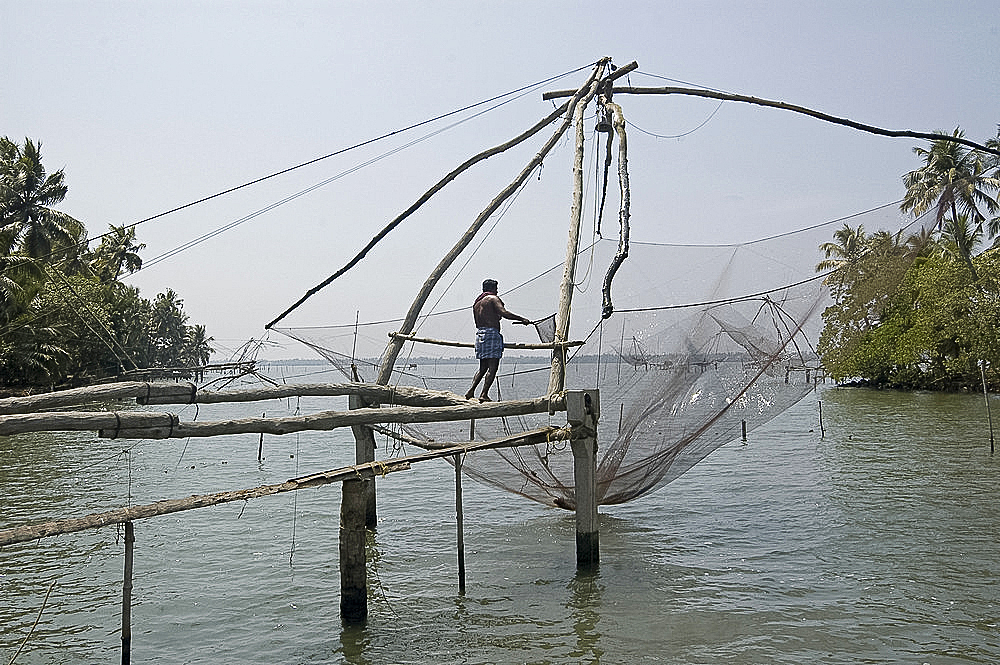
[(487, 311)]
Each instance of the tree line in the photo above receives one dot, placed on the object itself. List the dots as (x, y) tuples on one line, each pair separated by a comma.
[(65, 315), (922, 310)]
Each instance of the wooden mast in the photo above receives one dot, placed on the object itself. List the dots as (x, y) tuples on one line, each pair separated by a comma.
[(557, 376)]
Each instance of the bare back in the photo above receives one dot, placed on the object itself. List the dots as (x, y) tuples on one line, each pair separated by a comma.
[(488, 311)]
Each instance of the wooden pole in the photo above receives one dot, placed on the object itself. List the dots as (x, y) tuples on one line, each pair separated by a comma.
[(364, 452), (183, 393), (147, 425), (822, 430), (127, 595), (353, 573), (460, 523), (583, 411), (557, 377), (729, 97), (986, 397)]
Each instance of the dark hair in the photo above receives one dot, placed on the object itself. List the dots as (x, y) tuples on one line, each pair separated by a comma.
[(489, 285)]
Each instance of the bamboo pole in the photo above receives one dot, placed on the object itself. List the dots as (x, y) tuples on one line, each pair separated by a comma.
[(28, 533), (557, 375), (395, 345)]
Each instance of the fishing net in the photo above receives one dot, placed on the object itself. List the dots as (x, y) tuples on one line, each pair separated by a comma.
[(706, 344)]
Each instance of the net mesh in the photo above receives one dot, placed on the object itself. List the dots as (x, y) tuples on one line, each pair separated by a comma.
[(706, 343)]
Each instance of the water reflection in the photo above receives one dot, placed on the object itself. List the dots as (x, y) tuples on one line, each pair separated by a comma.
[(584, 606), (355, 642)]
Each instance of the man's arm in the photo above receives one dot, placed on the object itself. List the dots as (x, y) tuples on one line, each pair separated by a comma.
[(506, 314)]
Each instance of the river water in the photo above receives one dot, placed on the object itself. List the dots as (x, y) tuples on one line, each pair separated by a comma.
[(876, 543)]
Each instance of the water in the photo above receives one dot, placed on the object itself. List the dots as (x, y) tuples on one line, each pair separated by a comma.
[(874, 544)]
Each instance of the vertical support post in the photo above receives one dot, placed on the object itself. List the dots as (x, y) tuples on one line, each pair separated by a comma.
[(744, 426), (583, 411), (986, 396), (460, 523), (364, 452), (822, 430), (127, 595), (353, 575)]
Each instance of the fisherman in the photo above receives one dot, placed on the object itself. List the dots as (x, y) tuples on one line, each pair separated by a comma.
[(487, 311)]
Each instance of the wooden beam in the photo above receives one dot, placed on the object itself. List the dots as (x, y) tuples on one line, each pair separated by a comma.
[(154, 425), (187, 393), (784, 106), (468, 345)]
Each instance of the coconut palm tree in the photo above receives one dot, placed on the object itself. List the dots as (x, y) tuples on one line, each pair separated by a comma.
[(27, 194), (847, 247), (117, 253), (954, 179), (959, 239)]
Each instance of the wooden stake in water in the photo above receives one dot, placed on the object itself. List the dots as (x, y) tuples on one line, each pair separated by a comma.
[(822, 430), (744, 425), (353, 576), (260, 444), (459, 520), (127, 595), (989, 418)]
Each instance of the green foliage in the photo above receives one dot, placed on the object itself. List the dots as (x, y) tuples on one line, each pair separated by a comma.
[(64, 314), (924, 312)]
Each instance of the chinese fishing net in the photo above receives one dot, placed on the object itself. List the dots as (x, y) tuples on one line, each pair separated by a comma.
[(704, 342)]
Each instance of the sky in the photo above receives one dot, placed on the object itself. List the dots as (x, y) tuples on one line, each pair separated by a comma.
[(154, 105)]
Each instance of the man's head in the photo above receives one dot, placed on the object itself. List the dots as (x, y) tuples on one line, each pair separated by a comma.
[(490, 286)]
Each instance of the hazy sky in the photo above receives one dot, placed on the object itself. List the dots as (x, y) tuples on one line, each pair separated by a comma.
[(151, 105)]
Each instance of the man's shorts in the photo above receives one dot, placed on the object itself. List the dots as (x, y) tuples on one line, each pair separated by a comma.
[(489, 343)]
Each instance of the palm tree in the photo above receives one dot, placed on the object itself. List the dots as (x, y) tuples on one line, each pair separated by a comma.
[(847, 248), (197, 347), (31, 225), (117, 253), (959, 239), (955, 179)]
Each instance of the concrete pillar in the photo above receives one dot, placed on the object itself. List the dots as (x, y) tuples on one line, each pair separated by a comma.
[(583, 410)]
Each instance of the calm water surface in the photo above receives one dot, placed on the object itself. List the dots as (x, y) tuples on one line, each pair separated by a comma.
[(875, 544)]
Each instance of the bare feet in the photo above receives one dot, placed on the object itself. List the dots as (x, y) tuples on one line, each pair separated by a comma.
[(470, 395), (485, 398)]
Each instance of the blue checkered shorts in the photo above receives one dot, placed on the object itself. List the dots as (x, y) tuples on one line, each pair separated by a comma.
[(489, 343)]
